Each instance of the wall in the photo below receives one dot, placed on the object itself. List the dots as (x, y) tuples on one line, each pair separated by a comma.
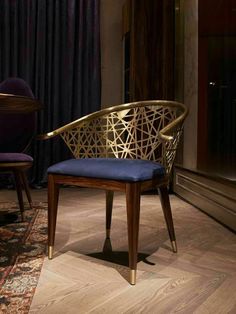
[(111, 52), (191, 82)]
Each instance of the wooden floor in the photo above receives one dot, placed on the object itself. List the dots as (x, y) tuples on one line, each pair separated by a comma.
[(200, 278)]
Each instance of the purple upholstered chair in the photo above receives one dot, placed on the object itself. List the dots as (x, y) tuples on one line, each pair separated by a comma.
[(17, 128)]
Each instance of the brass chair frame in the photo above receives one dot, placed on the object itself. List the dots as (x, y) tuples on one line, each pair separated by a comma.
[(141, 130)]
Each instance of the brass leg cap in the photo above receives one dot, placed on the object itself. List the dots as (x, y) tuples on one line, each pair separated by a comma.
[(50, 251), (174, 246), (133, 276)]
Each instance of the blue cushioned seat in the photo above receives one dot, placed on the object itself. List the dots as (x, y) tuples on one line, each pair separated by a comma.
[(15, 157), (132, 170)]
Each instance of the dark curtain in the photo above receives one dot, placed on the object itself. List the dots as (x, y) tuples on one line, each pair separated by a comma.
[(55, 46)]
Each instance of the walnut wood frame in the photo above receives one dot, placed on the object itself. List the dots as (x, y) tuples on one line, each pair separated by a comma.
[(18, 169), (133, 192)]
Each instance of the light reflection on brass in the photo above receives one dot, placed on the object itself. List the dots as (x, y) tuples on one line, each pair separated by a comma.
[(174, 246), (133, 276), (50, 251)]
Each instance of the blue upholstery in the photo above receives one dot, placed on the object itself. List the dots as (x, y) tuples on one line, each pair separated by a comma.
[(15, 157), (131, 170)]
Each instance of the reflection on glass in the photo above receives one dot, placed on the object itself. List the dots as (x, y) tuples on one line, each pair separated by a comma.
[(217, 88)]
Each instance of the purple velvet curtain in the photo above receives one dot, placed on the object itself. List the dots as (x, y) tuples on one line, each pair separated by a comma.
[(54, 45)]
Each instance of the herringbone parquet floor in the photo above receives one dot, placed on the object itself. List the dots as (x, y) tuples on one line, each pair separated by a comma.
[(200, 278)]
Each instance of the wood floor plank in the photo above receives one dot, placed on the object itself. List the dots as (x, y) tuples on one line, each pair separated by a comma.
[(219, 301), (81, 278)]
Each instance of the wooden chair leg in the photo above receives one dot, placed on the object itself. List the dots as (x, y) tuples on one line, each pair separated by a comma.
[(133, 213), (18, 182), (109, 204), (26, 187), (53, 194), (165, 202)]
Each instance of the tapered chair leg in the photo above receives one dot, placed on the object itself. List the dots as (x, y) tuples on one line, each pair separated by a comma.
[(109, 204), (133, 213), (26, 187), (165, 202), (53, 194), (17, 177)]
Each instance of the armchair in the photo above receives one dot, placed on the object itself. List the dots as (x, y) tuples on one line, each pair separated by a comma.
[(17, 128), (129, 148)]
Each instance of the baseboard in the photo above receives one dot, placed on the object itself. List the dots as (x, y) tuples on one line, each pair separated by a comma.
[(215, 196)]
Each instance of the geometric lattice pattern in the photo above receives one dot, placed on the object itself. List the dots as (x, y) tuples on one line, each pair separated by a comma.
[(132, 131)]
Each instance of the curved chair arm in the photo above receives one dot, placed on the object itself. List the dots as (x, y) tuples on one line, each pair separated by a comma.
[(139, 130), (79, 122), (164, 134), (167, 133)]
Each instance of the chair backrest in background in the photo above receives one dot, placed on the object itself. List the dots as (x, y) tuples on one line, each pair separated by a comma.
[(16, 129)]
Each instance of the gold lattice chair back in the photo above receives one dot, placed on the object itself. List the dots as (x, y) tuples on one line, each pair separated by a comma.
[(142, 130)]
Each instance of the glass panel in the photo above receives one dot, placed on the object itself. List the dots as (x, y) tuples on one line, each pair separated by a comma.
[(222, 104), (217, 88)]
